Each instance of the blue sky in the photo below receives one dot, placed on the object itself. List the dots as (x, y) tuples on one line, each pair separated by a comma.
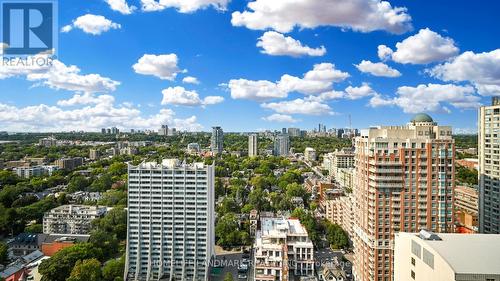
[(446, 65)]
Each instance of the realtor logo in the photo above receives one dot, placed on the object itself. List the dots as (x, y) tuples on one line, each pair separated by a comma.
[(28, 27)]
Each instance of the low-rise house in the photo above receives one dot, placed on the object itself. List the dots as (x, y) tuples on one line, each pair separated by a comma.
[(53, 243), (331, 272), (19, 269), (297, 202), (25, 244)]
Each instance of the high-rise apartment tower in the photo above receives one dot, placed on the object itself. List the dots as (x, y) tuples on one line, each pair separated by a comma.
[(170, 231), (404, 182), (489, 167)]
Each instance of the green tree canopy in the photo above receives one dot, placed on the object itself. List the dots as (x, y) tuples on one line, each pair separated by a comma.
[(60, 265), (113, 269), (86, 270)]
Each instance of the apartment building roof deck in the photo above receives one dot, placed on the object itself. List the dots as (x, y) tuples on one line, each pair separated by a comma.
[(169, 164)]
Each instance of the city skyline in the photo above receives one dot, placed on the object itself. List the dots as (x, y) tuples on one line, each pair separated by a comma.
[(217, 63)]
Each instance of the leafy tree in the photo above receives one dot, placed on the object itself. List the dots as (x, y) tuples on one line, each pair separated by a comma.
[(77, 183), (11, 193), (115, 222), (219, 188), (246, 208), (466, 175), (336, 236), (260, 182), (24, 201), (310, 224), (114, 197), (60, 265), (296, 190), (466, 141), (8, 178), (86, 270), (105, 241), (117, 169), (113, 269), (102, 184), (228, 277), (34, 228), (36, 210), (4, 249), (258, 199), (228, 205), (228, 234)]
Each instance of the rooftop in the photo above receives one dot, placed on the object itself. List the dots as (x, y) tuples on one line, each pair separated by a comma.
[(468, 254), (170, 164), (281, 227), (422, 117), (79, 209)]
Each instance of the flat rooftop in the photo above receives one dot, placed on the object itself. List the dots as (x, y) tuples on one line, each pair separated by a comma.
[(468, 253), (282, 227), (170, 164)]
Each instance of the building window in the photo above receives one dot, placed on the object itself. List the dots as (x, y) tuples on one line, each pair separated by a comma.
[(412, 261), (413, 275), (428, 258), (416, 249)]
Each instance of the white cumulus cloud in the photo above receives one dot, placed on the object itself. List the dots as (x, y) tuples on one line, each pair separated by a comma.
[(481, 69), (424, 47), (181, 96), (280, 118), (316, 81), (91, 117), (358, 15), (87, 98), (377, 69), (299, 106), (384, 52), (430, 98), (190, 80), (362, 91), (276, 44), (162, 66), (121, 6), (183, 6), (255, 90), (61, 77), (92, 24)]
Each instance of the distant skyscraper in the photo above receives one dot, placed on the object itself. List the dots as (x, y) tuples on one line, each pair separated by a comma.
[(163, 131), (253, 146), (103, 130), (294, 132), (282, 145), (170, 233), (340, 132), (115, 130), (489, 167), (217, 141), (283, 130), (321, 128), (404, 182)]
